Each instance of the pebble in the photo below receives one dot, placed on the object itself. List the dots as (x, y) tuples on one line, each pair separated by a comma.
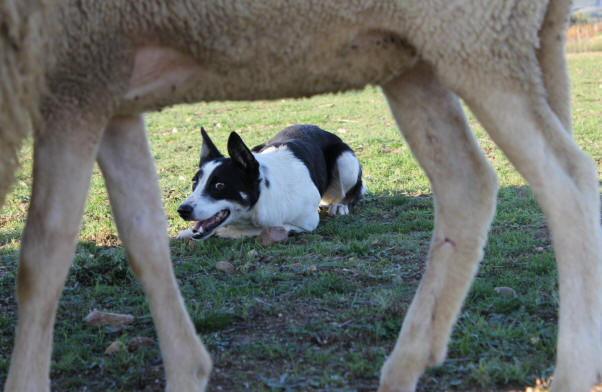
[(225, 266)]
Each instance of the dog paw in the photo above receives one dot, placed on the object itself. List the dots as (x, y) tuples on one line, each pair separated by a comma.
[(185, 235), (338, 209)]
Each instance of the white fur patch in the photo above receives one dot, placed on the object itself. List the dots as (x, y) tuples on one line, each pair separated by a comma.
[(205, 207), (207, 169), (349, 170), (338, 209), (185, 235), (292, 198), (274, 148)]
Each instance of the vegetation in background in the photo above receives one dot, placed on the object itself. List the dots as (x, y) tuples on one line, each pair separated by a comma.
[(584, 35)]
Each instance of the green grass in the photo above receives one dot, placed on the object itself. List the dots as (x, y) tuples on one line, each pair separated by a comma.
[(321, 311)]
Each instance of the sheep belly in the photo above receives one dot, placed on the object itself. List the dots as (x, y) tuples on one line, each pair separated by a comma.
[(164, 76), (159, 71)]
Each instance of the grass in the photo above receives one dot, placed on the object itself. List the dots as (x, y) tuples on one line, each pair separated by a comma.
[(322, 310)]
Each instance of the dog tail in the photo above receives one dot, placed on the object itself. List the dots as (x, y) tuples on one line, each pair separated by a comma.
[(354, 194)]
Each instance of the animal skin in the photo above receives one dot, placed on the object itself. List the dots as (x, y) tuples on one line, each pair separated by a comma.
[(112, 60)]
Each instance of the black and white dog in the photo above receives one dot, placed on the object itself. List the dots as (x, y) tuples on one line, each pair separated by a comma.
[(279, 183)]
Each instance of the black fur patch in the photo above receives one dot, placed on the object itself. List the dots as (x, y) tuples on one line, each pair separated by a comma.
[(235, 180), (208, 150), (195, 179), (316, 148)]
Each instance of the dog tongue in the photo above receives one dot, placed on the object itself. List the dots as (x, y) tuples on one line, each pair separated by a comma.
[(208, 222), (201, 226)]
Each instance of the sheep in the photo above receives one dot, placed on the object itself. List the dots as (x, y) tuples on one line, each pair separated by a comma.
[(113, 61), (22, 47)]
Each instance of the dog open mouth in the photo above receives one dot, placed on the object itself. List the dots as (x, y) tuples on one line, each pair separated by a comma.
[(203, 229)]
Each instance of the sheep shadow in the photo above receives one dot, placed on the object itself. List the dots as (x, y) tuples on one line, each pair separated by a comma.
[(332, 299)]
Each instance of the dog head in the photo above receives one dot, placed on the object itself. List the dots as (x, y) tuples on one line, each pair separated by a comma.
[(223, 189)]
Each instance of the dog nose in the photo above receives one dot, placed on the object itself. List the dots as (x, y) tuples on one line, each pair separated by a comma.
[(185, 211)]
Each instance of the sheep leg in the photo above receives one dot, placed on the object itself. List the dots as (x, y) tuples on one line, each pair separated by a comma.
[(127, 165), (63, 161), (565, 183), (552, 60), (464, 186)]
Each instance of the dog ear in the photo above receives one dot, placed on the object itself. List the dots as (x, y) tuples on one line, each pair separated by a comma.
[(208, 150), (241, 154)]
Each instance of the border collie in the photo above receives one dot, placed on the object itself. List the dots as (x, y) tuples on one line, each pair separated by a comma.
[(279, 183)]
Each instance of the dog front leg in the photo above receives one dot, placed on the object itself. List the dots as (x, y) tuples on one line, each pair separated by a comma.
[(63, 159), (464, 187), (127, 165)]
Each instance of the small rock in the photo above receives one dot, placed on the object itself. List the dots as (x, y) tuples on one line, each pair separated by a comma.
[(139, 341), (115, 321), (224, 266), (312, 268), (506, 291), (114, 347), (270, 235), (252, 253)]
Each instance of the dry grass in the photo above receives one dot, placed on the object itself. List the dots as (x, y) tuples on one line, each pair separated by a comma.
[(584, 38)]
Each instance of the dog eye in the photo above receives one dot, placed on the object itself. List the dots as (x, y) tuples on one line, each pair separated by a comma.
[(219, 186), (194, 184)]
